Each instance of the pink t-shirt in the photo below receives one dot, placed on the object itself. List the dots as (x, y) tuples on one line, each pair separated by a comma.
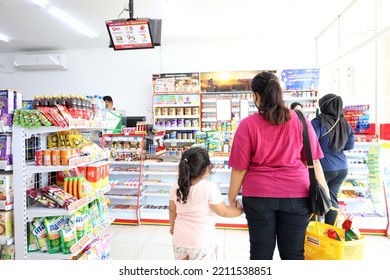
[(195, 221), (273, 156)]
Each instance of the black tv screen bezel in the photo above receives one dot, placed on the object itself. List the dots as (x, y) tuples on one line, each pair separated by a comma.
[(122, 22)]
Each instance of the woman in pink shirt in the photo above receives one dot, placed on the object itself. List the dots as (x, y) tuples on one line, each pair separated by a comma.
[(268, 163), (193, 204)]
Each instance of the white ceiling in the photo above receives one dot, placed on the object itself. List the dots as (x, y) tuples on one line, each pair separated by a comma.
[(31, 28)]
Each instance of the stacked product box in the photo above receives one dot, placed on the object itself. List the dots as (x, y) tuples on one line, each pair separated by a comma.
[(6, 148), (6, 191), (6, 224), (97, 174), (9, 100)]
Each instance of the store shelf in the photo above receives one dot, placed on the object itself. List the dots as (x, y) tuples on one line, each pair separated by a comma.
[(179, 141), (124, 172), (6, 207), (221, 170), (6, 240), (160, 173), (112, 162), (5, 128), (5, 166), (181, 128), (31, 168), (42, 211), (77, 247), (159, 163), (177, 117), (122, 197), (147, 193), (157, 184), (123, 187), (176, 105)]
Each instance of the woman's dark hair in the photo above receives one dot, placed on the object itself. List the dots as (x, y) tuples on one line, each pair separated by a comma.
[(272, 107), (193, 164), (295, 104)]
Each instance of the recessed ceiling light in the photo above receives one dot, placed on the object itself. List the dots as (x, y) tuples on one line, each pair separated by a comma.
[(4, 38), (65, 18)]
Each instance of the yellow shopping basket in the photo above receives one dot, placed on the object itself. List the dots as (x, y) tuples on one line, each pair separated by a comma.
[(320, 247)]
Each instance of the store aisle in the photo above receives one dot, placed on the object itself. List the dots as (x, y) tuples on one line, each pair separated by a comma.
[(151, 242)]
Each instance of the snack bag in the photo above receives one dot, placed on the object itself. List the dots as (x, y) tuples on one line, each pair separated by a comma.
[(331, 233), (40, 234), (95, 213), (39, 196), (8, 252), (80, 218), (103, 207), (57, 194), (32, 245), (53, 227), (68, 237)]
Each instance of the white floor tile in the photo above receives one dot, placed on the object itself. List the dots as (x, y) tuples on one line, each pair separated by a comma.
[(124, 251), (112, 230), (236, 254), (160, 236), (156, 252), (133, 234)]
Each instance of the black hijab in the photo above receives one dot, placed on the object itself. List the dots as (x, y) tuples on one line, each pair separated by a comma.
[(331, 107)]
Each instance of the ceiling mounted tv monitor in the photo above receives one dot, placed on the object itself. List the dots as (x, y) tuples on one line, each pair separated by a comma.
[(127, 34)]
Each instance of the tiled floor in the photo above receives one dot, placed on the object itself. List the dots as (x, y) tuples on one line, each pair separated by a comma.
[(151, 242)]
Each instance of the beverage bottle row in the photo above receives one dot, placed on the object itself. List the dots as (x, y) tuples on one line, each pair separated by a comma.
[(79, 107)]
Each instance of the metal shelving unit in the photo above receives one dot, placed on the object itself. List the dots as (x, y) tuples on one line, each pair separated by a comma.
[(24, 170)]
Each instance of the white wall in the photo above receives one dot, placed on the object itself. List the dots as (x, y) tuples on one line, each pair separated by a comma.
[(127, 75)]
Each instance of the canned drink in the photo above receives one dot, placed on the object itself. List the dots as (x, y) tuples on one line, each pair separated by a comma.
[(187, 123), (172, 111), (184, 136), (187, 111), (180, 123), (172, 135), (39, 157), (55, 157), (173, 122), (195, 111), (46, 157), (65, 155), (189, 135), (167, 124), (157, 111), (178, 135), (164, 111), (195, 123), (180, 111)]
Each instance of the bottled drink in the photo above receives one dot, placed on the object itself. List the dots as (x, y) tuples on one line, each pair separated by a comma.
[(36, 102)]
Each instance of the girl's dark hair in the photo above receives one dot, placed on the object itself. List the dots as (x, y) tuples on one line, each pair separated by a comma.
[(272, 107), (193, 164)]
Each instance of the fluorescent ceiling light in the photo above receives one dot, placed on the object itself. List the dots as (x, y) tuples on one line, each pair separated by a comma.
[(66, 18), (4, 38)]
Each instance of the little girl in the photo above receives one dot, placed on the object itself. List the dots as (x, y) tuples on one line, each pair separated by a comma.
[(193, 203)]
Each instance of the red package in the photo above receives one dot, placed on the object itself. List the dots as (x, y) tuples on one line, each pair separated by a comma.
[(64, 112), (62, 198), (39, 196)]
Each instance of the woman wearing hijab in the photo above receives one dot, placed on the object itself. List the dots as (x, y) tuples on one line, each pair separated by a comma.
[(335, 136)]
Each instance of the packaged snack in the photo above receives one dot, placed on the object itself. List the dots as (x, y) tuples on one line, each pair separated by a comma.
[(8, 252), (57, 194), (52, 141), (103, 207), (95, 213), (53, 226), (80, 217), (40, 234), (6, 224), (6, 190), (39, 196), (32, 245), (68, 238)]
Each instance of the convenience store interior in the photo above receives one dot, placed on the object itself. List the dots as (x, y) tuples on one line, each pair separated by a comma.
[(347, 39)]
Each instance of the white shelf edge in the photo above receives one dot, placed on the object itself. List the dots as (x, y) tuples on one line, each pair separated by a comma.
[(5, 207), (4, 166), (158, 184), (181, 128), (124, 163), (123, 187), (42, 211), (176, 105), (146, 193), (173, 173), (179, 140), (6, 240), (124, 172), (122, 197), (85, 160)]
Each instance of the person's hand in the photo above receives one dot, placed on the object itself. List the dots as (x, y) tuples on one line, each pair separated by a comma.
[(240, 207), (171, 230), (233, 203)]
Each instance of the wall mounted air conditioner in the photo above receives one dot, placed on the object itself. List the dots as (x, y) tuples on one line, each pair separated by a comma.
[(41, 62)]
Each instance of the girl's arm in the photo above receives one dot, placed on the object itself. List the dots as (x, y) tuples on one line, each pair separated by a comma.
[(172, 215), (320, 175), (227, 211), (236, 179)]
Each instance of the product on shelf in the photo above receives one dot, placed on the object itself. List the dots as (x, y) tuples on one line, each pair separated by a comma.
[(6, 224), (6, 190)]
